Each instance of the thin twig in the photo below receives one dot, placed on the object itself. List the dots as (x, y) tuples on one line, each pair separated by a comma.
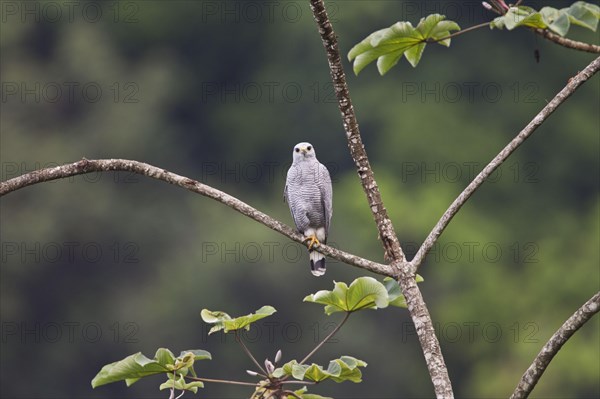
[(569, 89), (545, 33), (558, 339), (104, 165), (298, 382), (460, 32), (239, 340), (569, 43), (250, 384), (393, 251), (327, 338)]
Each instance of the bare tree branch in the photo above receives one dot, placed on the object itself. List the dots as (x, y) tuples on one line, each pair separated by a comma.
[(569, 89), (392, 248), (558, 339), (545, 33), (103, 165), (393, 251), (569, 43)]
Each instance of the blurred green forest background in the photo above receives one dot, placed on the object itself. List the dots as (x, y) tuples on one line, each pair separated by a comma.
[(97, 267)]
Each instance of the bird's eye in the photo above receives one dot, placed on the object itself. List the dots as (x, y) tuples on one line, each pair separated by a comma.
[(297, 149), (309, 148)]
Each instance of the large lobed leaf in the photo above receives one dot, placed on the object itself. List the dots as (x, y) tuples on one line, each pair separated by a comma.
[(363, 293), (222, 321), (346, 368), (558, 21), (136, 366), (388, 45)]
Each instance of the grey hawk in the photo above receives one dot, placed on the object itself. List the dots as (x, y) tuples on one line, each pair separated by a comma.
[(308, 193)]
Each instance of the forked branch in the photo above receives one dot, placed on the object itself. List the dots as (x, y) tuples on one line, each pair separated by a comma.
[(393, 251)]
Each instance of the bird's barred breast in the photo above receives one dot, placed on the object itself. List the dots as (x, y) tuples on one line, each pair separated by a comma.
[(304, 182), (307, 199)]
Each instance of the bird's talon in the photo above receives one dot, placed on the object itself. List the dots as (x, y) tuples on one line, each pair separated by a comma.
[(313, 240)]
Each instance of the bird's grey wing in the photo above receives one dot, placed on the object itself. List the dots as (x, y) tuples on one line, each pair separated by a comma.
[(291, 174), (326, 195), (287, 194)]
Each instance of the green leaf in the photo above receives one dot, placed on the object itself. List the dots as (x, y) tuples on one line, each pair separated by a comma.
[(516, 15), (561, 24), (222, 321), (136, 366), (353, 362), (164, 357), (534, 20), (388, 45), (593, 8), (183, 363), (132, 368), (394, 41), (428, 24), (199, 354), (302, 394), (180, 384), (366, 293), (346, 368), (553, 19), (558, 21), (314, 372), (363, 293), (395, 296), (584, 14), (442, 29), (413, 54), (314, 396), (394, 293), (364, 53), (526, 16), (497, 23), (301, 391)]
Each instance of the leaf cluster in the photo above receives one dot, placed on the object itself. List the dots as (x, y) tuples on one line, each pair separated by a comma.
[(137, 366), (558, 21), (346, 368), (362, 293), (388, 45)]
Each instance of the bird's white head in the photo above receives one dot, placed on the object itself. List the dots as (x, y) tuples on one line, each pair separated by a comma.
[(304, 151)]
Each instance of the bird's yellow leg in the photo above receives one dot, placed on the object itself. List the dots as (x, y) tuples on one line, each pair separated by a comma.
[(313, 240)]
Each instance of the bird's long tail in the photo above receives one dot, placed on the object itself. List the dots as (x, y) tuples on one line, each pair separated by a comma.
[(317, 263)]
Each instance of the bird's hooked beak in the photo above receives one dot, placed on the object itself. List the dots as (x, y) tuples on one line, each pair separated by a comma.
[(303, 150)]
